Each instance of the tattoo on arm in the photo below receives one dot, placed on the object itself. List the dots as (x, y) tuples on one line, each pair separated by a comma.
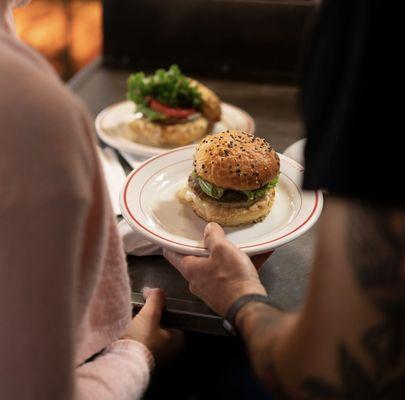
[(376, 251), (375, 242)]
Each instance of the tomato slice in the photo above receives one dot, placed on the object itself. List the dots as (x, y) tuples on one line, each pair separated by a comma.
[(169, 111)]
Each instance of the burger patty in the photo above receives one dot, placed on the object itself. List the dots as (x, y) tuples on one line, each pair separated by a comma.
[(230, 196)]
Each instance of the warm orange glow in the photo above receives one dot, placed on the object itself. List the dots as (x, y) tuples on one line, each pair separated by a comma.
[(68, 33), (86, 33)]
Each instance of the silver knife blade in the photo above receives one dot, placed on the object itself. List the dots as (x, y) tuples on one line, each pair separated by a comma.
[(133, 160)]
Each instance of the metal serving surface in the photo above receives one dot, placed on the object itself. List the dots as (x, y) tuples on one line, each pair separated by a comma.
[(285, 274)]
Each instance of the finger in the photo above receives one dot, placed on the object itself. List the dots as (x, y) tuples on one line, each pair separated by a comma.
[(215, 240), (194, 290), (185, 264), (176, 259), (178, 338), (174, 343), (259, 259), (155, 300)]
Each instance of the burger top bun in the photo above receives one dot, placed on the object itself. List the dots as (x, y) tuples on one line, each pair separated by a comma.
[(236, 160), (211, 105)]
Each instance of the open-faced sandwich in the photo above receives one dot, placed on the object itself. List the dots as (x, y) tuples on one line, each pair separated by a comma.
[(173, 109), (234, 179)]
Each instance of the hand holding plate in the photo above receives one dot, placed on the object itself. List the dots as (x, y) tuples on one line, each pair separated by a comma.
[(222, 277)]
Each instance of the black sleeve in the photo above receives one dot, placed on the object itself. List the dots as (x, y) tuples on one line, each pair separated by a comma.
[(351, 110)]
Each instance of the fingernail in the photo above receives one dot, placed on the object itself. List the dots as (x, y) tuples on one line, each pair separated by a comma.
[(207, 229), (145, 291)]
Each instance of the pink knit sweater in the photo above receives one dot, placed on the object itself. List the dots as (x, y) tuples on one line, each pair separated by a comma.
[(64, 288)]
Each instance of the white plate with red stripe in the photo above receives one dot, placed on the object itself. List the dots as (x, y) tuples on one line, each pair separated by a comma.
[(113, 121), (150, 205)]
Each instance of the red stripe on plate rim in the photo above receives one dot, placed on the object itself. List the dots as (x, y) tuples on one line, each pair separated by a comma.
[(129, 179)]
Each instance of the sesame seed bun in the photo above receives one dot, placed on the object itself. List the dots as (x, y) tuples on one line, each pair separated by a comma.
[(211, 105), (236, 160)]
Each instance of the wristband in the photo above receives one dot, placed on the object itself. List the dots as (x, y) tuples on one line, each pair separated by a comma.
[(229, 321)]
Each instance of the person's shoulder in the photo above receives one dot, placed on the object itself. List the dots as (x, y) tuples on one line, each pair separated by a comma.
[(38, 114), (28, 88)]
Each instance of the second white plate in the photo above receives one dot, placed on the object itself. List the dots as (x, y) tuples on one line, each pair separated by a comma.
[(114, 120)]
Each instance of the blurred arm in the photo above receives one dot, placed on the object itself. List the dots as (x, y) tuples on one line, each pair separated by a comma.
[(47, 169), (348, 341)]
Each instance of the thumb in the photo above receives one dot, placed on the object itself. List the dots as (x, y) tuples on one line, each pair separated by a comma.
[(215, 240), (213, 235), (154, 303)]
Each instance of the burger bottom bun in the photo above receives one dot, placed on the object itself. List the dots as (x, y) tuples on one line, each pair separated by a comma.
[(172, 135), (221, 213)]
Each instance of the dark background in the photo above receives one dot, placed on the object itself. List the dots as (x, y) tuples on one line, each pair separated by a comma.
[(249, 39)]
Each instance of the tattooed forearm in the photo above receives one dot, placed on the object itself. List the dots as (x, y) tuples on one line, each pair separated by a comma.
[(257, 323), (370, 364), (256, 320), (376, 249), (357, 382)]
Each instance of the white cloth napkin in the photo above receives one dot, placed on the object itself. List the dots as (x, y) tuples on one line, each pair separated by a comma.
[(135, 244)]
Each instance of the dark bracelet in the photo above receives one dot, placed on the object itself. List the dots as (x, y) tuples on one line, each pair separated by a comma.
[(229, 321)]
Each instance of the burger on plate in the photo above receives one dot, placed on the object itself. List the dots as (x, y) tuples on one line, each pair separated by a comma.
[(173, 110), (234, 179)]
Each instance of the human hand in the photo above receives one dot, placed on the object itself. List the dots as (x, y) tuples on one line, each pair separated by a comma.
[(221, 278), (145, 328)]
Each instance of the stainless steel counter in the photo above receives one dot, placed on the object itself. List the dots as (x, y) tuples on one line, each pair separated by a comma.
[(285, 274)]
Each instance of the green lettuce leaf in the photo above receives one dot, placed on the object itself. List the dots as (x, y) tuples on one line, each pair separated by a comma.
[(169, 87), (217, 192), (210, 189), (274, 182), (254, 194), (250, 194)]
